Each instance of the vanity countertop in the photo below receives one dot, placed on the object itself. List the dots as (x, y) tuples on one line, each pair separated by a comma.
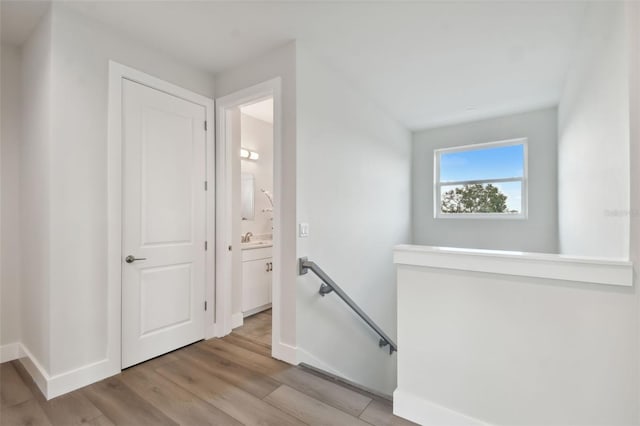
[(256, 244)]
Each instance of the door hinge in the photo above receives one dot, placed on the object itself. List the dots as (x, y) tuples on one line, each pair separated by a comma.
[(206, 185), (205, 126), (205, 305), (206, 245)]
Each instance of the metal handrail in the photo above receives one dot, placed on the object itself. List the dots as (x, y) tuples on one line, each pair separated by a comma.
[(328, 285)]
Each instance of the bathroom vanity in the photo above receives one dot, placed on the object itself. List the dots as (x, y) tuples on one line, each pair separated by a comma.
[(257, 267)]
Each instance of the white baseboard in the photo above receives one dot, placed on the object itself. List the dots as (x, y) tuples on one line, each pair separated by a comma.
[(35, 370), (426, 413), (284, 352), (237, 320), (210, 331), (256, 310), (52, 386), (217, 331), (10, 351), (80, 377)]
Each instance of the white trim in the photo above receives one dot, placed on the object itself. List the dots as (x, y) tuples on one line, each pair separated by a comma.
[(427, 413), (482, 145), (538, 265), (270, 88), (59, 384), (437, 185), (223, 241), (35, 370), (10, 351), (210, 268), (467, 216), (286, 353), (112, 364), (237, 320), (80, 377), (257, 310), (471, 182)]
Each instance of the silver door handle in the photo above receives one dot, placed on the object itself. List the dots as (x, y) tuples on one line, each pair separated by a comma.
[(131, 259)]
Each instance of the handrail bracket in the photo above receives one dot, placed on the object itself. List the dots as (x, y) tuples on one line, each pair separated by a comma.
[(382, 343), (303, 268), (329, 286), (324, 289)]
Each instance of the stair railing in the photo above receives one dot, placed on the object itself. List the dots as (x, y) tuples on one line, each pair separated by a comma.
[(329, 286)]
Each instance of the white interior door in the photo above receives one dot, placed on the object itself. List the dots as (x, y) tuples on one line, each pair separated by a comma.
[(164, 222)]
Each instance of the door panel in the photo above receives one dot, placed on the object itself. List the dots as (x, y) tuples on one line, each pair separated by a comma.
[(166, 182), (165, 297), (164, 222)]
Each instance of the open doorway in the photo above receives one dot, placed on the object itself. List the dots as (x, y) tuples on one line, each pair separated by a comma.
[(248, 248), (255, 208)]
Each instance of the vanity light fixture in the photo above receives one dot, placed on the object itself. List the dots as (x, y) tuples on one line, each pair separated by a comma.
[(249, 155)]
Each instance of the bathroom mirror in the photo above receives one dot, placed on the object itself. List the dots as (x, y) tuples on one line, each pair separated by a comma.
[(247, 191)]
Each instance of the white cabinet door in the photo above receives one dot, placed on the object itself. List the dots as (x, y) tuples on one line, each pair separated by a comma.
[(256, 283), (163, 223)]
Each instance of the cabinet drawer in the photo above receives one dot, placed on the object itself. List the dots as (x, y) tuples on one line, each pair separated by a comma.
[(255, 254)]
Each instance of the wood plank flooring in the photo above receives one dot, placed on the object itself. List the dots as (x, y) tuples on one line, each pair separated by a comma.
[(229, 381), (257, 328)]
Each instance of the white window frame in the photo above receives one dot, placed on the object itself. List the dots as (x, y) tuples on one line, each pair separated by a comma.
[(437, 185)]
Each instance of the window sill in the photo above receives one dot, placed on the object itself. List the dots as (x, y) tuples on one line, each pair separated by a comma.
[(538, 265), (472, 216)]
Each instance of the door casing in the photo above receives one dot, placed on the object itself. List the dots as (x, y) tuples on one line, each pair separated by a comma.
[(118, 72), (270, 88)]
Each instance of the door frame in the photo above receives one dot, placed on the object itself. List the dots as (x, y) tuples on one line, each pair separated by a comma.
[(271, 88), (118, 72)]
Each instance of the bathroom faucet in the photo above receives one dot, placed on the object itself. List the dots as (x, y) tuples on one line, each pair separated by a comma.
[(246, 237)]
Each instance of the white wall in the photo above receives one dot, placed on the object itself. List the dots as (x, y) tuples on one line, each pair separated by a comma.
[(35, 168), (593, 144), (510, 350), (353, 173), (280, 62), (530, 351), (537, 233), (257, 135), (66, 182), (10, 248), (633, 22)]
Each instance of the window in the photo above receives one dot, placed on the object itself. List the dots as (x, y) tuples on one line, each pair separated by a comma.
[(486, 180)]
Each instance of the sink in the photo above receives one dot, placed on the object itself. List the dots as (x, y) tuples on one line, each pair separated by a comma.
[(256, 244)]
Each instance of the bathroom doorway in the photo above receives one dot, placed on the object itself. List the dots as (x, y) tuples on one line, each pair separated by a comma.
[(247, 247), (253, 283)]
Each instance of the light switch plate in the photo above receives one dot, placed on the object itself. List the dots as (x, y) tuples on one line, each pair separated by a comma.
[(303, 230)]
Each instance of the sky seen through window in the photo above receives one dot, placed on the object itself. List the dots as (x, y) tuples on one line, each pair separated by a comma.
[(486, 163)]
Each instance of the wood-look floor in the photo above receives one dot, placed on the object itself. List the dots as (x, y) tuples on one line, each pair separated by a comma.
[(229, 381)]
